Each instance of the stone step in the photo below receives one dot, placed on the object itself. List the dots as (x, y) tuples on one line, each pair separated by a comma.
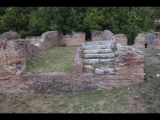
[(96, 61), (108, 55), (88, 67), (96, 47), (110, 71), (106, 60), (99, 71), (91, 61), (97, 51), (106, 42)]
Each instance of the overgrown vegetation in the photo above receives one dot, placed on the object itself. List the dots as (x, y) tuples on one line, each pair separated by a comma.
[(33, 21), (59, 59)]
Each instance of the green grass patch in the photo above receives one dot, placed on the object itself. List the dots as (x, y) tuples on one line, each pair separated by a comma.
[(150, 70), (2, 100), (152, 52), (77, 108), (59, 59)]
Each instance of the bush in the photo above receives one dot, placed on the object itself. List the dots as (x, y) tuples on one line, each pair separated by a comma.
[(23, 33)]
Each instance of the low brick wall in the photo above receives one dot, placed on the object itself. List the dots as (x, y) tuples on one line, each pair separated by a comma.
[(17, 83), (62, 83), (12, 58), (128, 61), (129, 64), (78, 62), (150, 41), (157, 40)]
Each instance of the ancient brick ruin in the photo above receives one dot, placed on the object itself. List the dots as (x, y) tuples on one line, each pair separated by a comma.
[(150, 41), (121, 39), (121, 66), (98, 65), (74, 39), (9, 35), (12, 58), (98, 35)]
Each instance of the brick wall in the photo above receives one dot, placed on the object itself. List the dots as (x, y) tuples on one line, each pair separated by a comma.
[(78, 62), (157, 40), (61, 83), (152, 41), (74, 39), (18, 83), (12, 58), (98, 35), (129, 63), (121, 39)]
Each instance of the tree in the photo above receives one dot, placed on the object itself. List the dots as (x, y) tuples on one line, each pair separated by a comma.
[(37, 22)]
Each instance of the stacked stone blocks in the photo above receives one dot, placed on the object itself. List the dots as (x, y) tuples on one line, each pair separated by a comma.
[(98, 57)]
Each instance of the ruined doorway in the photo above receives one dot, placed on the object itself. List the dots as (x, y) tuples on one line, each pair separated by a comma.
[(88, 36), (145, 45)]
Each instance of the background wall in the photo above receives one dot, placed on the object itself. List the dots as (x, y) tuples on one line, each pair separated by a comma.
[(75, 39)]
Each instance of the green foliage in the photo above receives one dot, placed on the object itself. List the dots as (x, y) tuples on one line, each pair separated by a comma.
[(14, 19), (2, 24), (93, 19), (24, 33), (138, 20), (2, 10), (36, 20), (156, 13)]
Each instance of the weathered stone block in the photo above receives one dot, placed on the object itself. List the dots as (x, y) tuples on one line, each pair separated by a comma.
[(91, 61), (110, 71), (108, 55), (106, 60), (88, 68), (99, 71), (97, 51), (107, 42), (97, 47)]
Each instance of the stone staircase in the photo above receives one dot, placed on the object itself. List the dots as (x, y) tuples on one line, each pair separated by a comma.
[(98, 57)]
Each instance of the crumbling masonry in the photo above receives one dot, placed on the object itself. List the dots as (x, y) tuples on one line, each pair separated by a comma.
[(98, 65)]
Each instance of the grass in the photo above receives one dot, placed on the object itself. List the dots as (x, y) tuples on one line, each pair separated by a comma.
[(152, 52), (143, 32), (59, 59), (140, 98)]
